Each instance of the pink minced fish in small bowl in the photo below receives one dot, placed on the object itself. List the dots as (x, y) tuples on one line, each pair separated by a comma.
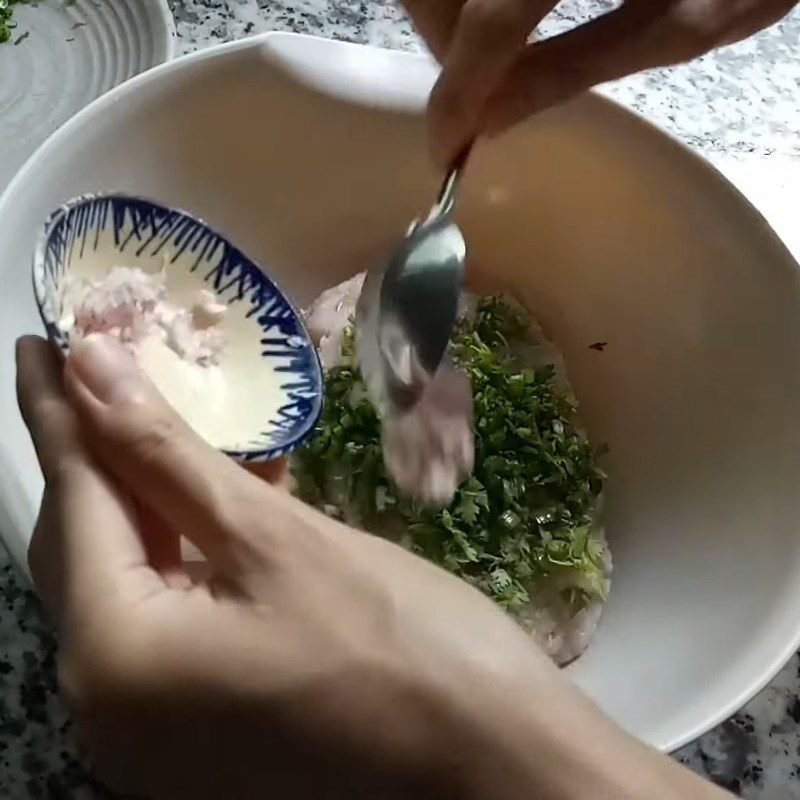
[(132, 305)]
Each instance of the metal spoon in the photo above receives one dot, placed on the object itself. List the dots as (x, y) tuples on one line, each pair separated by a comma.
[(407, 308)]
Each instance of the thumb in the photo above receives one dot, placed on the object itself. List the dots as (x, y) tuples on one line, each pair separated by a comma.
[(135, 434)]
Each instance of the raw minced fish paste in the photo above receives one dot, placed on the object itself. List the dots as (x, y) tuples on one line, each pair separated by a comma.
[(538, 549)]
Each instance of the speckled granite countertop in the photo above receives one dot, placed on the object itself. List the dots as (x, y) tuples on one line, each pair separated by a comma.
[(738, 107)]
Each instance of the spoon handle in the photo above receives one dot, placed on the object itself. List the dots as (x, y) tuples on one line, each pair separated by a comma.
[(447, 194)]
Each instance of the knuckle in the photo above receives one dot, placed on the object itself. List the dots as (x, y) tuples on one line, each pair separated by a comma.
[(234, 510), (492, 21), (150, 437), (47, 417), (44, 407), (699, 26), (230, 505), (60, 474)]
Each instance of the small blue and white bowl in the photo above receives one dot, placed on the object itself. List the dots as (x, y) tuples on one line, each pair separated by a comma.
[(265, 396)]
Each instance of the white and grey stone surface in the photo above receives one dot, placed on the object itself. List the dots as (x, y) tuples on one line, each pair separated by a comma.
[(740, 107)]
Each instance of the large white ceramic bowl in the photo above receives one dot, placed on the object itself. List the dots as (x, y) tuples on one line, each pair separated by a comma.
[(311, 156)]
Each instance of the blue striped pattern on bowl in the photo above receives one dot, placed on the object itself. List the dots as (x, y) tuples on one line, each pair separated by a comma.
[(138, 231)]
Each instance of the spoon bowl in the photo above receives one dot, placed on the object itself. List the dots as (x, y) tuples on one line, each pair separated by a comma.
[(407, 309)]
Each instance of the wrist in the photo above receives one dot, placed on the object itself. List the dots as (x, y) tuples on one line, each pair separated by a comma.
[(553, 743)]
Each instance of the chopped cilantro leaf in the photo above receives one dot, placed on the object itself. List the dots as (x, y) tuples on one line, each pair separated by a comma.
[(7, 25), (528, 509)]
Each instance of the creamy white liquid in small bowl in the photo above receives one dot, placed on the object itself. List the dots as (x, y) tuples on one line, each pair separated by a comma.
[(220, 340)]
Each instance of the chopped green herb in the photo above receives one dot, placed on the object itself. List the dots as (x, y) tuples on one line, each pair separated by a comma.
[(7, 24), (528, 509)]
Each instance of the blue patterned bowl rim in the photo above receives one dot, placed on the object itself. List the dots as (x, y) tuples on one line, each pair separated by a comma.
[(254, 455)]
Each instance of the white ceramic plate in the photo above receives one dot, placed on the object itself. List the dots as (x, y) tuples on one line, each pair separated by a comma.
[(69, 52), (311, 156)]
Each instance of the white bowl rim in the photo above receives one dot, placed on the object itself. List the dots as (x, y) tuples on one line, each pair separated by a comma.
[(748, 689)]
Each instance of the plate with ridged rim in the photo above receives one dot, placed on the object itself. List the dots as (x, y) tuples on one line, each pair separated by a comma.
[(63, 54)]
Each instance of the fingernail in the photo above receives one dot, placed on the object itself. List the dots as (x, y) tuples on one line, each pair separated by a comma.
[(107, 369)]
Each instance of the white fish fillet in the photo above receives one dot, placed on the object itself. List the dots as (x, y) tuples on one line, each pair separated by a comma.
[(328, 317)]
